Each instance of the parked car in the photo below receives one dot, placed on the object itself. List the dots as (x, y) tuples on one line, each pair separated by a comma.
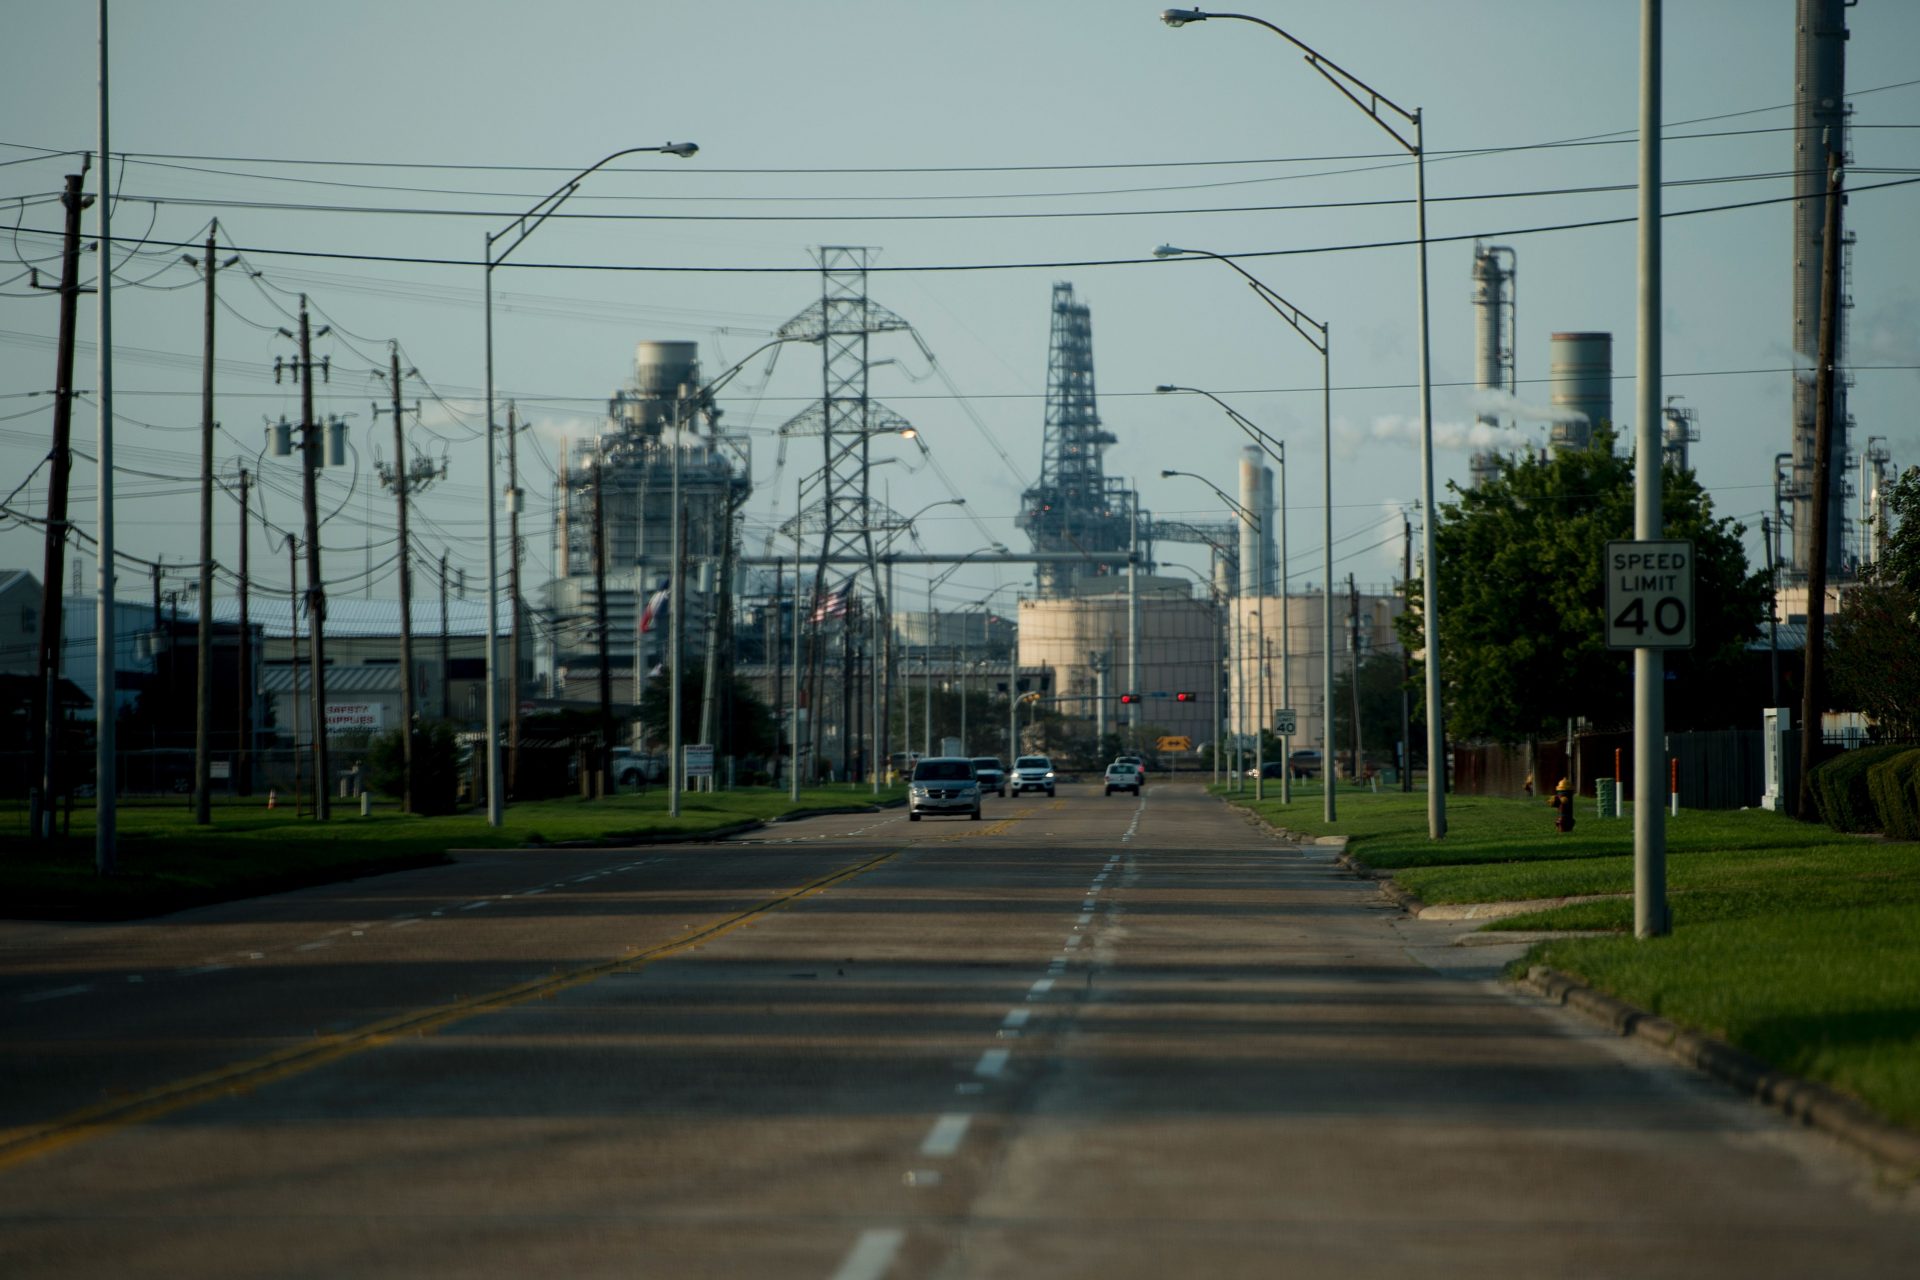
[(1305, 763), (1271, 769), (943, 784), (991, 774), (1122, 776), (1032, 773)]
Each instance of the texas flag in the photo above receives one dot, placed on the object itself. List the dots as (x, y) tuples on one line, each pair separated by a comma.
[(655, 610)]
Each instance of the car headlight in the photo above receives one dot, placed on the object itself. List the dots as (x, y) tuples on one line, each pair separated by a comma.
[(919, 790)]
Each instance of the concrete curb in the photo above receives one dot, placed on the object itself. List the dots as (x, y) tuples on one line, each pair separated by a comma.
[(1812, 1104)]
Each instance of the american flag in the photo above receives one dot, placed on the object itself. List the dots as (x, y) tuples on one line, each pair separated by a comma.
[(833, 604)]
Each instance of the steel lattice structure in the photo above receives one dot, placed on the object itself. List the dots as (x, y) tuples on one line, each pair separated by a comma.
[(1075, 506)]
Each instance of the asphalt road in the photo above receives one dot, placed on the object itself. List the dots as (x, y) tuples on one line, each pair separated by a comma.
[(1083, 1037)]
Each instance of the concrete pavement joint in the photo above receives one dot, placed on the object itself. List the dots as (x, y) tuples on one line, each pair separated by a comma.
[(29, 1142), (872, 1254), (1814, 1105)]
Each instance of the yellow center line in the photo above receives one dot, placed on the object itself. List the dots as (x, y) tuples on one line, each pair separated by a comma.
[(33, 1141)]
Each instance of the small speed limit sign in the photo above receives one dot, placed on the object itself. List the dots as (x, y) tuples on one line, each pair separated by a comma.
[(1650, 595)]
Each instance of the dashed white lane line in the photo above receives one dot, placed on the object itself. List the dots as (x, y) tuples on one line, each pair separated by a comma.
[(528, 893), (871, 1254), (56, 993), (1040, 988), (401, 924), (1073, 942), (471, 906), (992, 1062), (1016, 1018), (948, 1132), (314, 946), (1085, 916), (210, 968)]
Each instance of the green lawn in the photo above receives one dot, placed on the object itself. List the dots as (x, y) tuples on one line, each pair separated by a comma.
[(166, 862), (1790, 941)]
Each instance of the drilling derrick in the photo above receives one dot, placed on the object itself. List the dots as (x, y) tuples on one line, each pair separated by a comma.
[(1075, 507)]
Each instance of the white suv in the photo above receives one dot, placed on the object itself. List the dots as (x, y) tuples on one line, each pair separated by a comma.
[(1031, 773)]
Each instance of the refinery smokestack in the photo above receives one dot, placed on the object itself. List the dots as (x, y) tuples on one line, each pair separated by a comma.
[(1580, 377), (1819, 126), (1493, 363), (1256, 546)]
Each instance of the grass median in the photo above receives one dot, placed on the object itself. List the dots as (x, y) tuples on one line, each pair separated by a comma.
[(1795, 943), (166, 862)]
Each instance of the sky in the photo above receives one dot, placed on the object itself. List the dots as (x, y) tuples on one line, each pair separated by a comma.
[(360, 153)]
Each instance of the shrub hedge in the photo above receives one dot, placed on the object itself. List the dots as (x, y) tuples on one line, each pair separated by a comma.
[(1840, 788), (1894, 786)]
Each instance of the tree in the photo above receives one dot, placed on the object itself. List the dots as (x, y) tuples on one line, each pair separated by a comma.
[(1873, 664), (746, 725), (1382, 680), (1901, 562), (1522, 599)]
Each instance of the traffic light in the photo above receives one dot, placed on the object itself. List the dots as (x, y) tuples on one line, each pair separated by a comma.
[(1129, 697), (1185, 697)]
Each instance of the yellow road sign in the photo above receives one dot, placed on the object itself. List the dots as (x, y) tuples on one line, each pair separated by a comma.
[(1175, 742)]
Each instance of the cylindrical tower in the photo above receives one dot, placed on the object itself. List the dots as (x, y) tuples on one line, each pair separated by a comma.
[(1493, 363), (1580, 376), (1259, 565), (1819, 125)]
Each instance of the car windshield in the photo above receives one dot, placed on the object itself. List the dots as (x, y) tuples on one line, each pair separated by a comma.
[(942, 771), (1032, 762), (986, 762)]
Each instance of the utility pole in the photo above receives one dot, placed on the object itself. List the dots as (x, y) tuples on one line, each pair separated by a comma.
[(46, 716), (243, 766), (401, 479), (1353, 647), (1406, 667), (1823, 427), (203, 657), (513, 600), (446, 648), (293, 628), (310, 442), (1773, 610), (601, 627), (777, 656)]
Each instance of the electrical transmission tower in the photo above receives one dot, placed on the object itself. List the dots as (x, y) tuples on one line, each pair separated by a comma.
[(1074, 507), (845, 515)]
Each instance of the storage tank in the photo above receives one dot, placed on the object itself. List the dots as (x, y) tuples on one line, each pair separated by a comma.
[(1182, 642), (1580, 375), (1256, 543)]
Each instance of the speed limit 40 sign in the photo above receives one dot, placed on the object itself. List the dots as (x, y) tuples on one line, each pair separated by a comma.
[(1650, 595)]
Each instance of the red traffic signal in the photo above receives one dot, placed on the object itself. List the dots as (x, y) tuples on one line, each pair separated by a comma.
[(1129, 697), (1185, 697)]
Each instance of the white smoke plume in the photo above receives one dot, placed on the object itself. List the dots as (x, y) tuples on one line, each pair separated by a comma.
[(1350, 440), (1504, 404)]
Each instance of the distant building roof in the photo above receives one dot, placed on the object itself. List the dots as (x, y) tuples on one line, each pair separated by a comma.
[(340, 680), (353, 617)]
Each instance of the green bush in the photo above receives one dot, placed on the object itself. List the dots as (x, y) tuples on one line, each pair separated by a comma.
[(436, 766), (1894, 786), (1840, 788)]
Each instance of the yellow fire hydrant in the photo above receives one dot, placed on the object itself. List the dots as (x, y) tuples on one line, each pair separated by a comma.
[(1562, 800)]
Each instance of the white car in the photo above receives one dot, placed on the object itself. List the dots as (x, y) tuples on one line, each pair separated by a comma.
[(1122, 776), (1031, 773), (943, 784)]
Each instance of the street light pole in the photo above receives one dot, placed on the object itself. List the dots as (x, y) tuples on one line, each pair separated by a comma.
[(1370, 101), (1257, 524), (517, 231), (1320, 337), (1277, 450)]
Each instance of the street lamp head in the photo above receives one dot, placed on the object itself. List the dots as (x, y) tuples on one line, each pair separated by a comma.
[(1168, 250), (1181, 17), (909, 433), (1165, 474), (1164, 388), (681, 149)]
